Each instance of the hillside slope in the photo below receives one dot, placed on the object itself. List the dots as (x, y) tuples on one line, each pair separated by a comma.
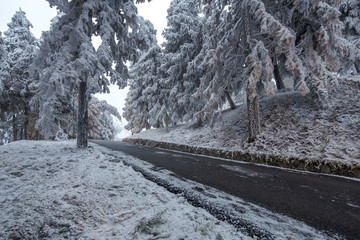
[(291, 126)]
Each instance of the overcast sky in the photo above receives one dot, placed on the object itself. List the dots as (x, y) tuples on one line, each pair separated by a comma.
[(40, 14)]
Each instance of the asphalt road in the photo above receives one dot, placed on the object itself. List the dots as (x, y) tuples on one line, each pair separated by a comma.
[(325, 202)]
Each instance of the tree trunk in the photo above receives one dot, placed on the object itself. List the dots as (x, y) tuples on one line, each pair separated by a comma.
[(157, 125), (166, 123), (231, 102), (252, 102), (278, 79), (357, 66), (26, 122), (2, 114), (82, 118), (199, 122), (253, 117), (21, 133), (83, 115), (14, 128), (147, 125)]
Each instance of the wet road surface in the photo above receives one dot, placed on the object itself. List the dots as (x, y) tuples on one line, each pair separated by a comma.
[(328, 203)]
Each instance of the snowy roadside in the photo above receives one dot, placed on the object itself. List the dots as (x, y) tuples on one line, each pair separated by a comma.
[(248, 218), (292, 127), (52, 190)]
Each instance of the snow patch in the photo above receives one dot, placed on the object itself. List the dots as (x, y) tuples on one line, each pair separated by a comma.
[(249, 218), (52, 190), (291, 126)]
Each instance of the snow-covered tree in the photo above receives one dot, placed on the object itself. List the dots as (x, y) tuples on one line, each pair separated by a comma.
[(307, 39), (218, 81), (300, 40), (2, 61), (3, 75), (54, 97), (101, 122), (144, 92), (184, 38), (5, 120), (143, 74), (145, 37), (350, 10), (72, 65), (18, 51)]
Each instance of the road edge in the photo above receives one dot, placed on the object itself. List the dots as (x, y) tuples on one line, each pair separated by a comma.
[(304, 164)]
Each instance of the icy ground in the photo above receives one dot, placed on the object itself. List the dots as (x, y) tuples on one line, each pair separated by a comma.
[(52, 190), (291, 125)]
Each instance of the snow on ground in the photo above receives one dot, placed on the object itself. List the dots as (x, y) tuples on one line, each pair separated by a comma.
[(291, 125), (249, 218), (52, 190)]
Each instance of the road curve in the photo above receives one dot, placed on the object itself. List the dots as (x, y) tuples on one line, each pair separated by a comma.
[(328, 203)]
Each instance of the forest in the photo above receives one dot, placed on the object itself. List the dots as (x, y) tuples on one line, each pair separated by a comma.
[(216, 55)]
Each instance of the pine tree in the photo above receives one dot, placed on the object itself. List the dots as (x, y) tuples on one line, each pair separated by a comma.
[(144, 92), (73, 65), (19, 49), (143, 74), (350, 15), (350, 10), (306, 37), (101, 123), (5, 127), (299, 40), (2, 56), (4, 75), (55, 95), (216, 83), (184, 37)]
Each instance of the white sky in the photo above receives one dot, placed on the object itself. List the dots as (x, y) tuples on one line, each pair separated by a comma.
[(156, 12), (40, 14)]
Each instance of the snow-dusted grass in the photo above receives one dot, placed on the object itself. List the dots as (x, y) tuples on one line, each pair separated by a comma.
[(291, 125), (248, 217), (52, 190)]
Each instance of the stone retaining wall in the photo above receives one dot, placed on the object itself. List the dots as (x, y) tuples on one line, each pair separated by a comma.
[(312, 165)]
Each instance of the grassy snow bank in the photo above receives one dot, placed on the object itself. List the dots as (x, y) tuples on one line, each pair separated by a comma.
[(52, 190), (294, 133)]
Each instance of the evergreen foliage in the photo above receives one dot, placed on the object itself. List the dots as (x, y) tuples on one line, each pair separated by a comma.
[(145, 92), (214, 51), (350, 10), (17, 51), (184, 38), (71, 64), (101, 123)]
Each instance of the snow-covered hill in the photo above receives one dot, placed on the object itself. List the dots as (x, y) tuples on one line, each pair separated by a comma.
[(291, 125)]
